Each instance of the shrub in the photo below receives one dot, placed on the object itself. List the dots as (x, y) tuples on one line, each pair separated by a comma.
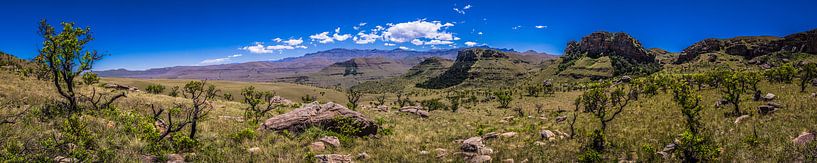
[(433, 104), (242, 135), (90, 78), (782, 74), (353, 96), (66, 58), (504, 98), (155, 89), (807, 73)]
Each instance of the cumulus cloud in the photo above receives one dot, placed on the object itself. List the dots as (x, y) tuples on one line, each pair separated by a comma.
[(479, 33), (219, 60), (466, 7), (405, 48), (293, 42), (277, 39), (342, 37), (259, 48), (417, 42), (357, 27), (322, 37), (462, 11), (389, 44), (469, 43), (403, 32), (438, 42), (364, 38), (540, 26)]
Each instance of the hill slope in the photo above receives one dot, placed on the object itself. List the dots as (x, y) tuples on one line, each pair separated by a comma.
[(605, 54)]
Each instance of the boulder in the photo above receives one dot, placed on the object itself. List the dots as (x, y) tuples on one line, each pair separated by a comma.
[(382, 108), (61, 159), (254, 150), (474, 145), (175, 158), (278, 100), (508, 134), (317, 146), (547, 135), (741, 119), (326, 116), (441, 152), (561, 119), (363, 156), (774, 104), (418, 110), (333, 158), (490, 135), (804, 138), (766, 109), (666, 153), (479, 158), (331, 140), (769, 97)]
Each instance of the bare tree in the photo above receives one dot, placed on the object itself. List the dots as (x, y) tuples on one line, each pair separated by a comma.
[(200, 94)]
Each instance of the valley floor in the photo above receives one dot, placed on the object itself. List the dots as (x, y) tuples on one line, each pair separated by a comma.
[(644, 128)]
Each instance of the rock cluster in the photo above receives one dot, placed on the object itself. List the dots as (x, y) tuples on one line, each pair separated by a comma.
[(325, 116), (417, 110)]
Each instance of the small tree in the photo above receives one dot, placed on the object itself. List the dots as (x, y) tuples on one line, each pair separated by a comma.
[(354, 97), (308, 98), (732, 90), (454, 99), (66, 57), (174, 92), (155, 89), (90, 78), (504, 98), (605, 108), (807, 74), (784, 73), (200, 94), (256, 98), (381, 99), (533, 90), (694, 145)]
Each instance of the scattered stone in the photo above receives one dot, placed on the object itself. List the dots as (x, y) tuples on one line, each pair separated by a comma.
[(382, 108), (625, 79), (804, 138), (441, 152), (490, 135), (507, 161), (769, 97), (666, 153), (508, 134), (539, 143), (766, 109), (333, 158), (474, 145), (331, 140), (547, 135), (741, 118), (774, 104), (175, 158), (61, 159), (418, 110), (315, 114), (479, 158), (254, 150), (423, 152), (363, 156), (317, 146), (278, 100), (561, 119), (235, 118)]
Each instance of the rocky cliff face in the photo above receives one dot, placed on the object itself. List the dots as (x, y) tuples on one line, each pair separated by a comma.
[(753, 46), (627, 54)]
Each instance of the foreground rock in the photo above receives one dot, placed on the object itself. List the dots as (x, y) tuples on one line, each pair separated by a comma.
[(475, 151), (331, 140), (804, 138), (327, 116), (741, 119), (120, 87), (333, 158), (418, 110), (547, 135)]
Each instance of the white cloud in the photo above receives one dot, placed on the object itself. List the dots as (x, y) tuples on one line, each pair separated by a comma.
[(277, 39), (516, 27), (438, 42), (388, 44), (363, 38), (342, 37), (466, 7), (479, 33), (541, 26), (469, 43), (257, 48), (448, 25), (405, 48), (359, 25), (293, 42), (337, 30), (322, 37), (417, 42), (462, 11), (403, 32), (219, 60)]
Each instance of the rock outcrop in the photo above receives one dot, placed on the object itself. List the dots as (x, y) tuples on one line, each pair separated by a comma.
[(627, 54), (753, 46), (327, 116)]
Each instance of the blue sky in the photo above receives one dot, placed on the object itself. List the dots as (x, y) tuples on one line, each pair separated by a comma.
[(149, 34)]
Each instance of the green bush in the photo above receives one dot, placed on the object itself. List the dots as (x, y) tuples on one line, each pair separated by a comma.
[(433, 104), (242, 135), (782, 74), (155, 89)]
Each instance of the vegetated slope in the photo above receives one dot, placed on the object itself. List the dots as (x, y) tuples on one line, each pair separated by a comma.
[(605, 54), (425, 70), (478, 67), (10, 62), (348, 73)]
